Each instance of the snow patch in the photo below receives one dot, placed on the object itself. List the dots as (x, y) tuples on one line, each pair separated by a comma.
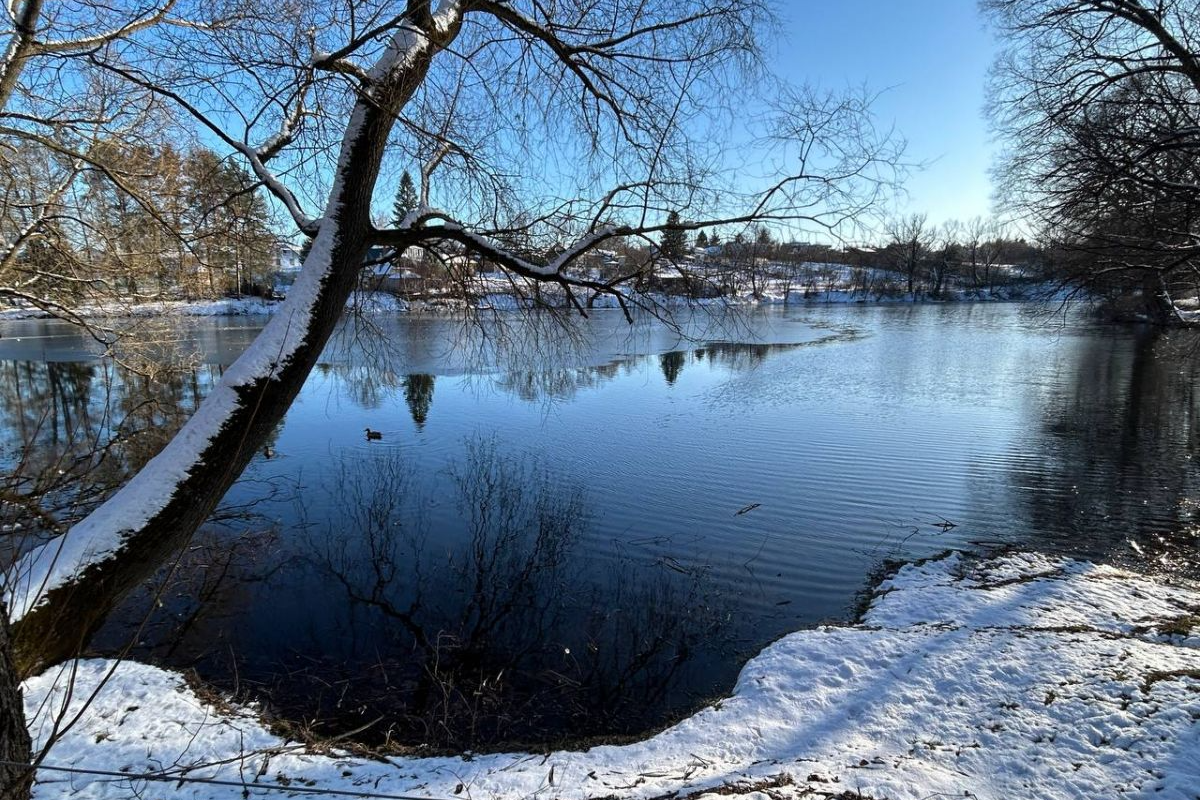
[(1022, 676)]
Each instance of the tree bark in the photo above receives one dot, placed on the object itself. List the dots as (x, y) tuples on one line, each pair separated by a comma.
[(16, 782)]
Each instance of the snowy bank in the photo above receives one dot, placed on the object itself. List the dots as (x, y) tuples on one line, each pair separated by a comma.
[(227, 307), (370, 302), (1021, 676), (383, 302)]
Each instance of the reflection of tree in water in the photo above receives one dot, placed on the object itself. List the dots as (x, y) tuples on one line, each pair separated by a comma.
[(563, 384), (541, 374), (45, 401), (73, 431), (535, 385), (418, 393), (1114, 463), (488, 643), (369, 385), (372, 385), (671, 365), (460, 626), (732, 356), (735, 356)]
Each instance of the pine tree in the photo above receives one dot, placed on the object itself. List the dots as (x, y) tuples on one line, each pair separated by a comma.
[(406, 199), (405, 202), (674, 239), (714, 240), (701, 239)]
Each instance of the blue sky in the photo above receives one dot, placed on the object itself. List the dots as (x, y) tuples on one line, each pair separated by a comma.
[(932, 58)]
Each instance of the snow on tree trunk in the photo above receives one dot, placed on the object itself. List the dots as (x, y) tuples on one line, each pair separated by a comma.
[(62, 591)]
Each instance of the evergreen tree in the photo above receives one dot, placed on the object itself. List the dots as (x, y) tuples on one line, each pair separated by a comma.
[(406, 198), (714, 240), (406, 201), (674, 239), (701, 239)]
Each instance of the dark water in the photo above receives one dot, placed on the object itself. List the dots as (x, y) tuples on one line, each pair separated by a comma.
[(586, 532)]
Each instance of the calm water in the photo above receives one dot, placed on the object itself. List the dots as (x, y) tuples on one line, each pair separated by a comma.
[(572, 533)]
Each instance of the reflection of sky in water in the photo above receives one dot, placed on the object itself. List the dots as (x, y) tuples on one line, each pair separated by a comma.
[(855, 449)]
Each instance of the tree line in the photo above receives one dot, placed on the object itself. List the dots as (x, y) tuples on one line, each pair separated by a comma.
[(909, 255), (137, 222)]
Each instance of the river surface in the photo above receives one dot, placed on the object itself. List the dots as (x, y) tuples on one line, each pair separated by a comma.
[(584, 531)]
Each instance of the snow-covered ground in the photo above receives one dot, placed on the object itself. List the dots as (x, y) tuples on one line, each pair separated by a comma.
[(371, 302), (1021, 676), (227, 307)]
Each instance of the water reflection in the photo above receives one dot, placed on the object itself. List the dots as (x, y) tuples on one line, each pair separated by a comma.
[(73, 431), (418, 394), (548, 542), (455, 622), (1114, 475), (671, 365), (560, 384)]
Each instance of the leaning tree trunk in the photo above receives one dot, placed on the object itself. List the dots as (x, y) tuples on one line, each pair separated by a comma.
[(64, 590), (15, 781)]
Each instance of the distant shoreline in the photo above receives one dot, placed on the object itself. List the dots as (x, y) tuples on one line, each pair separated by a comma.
[(378, 302)]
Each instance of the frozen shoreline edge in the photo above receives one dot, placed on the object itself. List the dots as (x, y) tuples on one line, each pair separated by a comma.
[(376, 303)]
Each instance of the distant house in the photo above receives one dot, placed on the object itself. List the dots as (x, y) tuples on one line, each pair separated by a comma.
[(287, 257), (686, 278), (411, 255), (382, 271), (400, 274)]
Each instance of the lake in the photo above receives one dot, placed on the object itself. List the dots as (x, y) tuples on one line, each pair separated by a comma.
[(577, 530)]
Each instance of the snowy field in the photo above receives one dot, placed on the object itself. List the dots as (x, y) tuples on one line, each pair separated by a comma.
[(1017, 677)]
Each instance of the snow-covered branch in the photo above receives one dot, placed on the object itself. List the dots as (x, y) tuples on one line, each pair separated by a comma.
[(100, 39)]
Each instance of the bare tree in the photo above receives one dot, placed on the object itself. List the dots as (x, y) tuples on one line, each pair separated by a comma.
[(52, 113), (1099, 102), (982, 240), (317, 102), (908, 244), (944, 258)]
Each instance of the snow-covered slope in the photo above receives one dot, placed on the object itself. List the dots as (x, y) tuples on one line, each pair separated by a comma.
[(1016, 677)]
